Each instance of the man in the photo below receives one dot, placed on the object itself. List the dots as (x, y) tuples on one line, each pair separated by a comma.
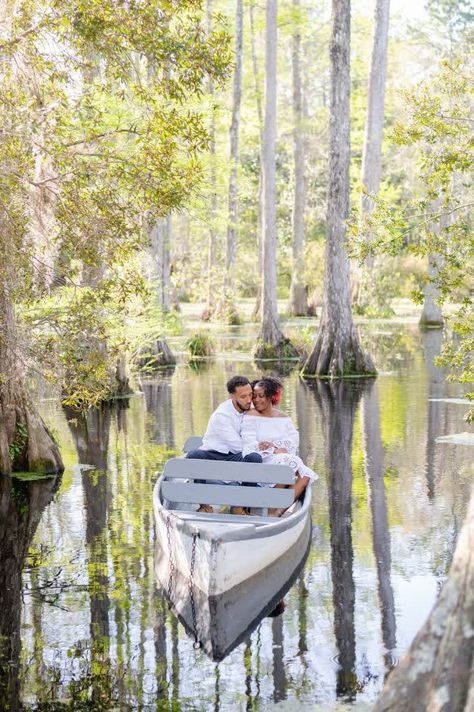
[(222, 439)]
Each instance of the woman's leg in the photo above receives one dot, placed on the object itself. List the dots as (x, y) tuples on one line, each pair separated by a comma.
[(298, 487)]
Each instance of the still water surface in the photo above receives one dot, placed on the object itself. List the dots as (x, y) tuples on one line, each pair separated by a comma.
[(89, 628)]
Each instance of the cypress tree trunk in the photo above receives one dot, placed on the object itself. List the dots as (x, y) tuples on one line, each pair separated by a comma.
[(25, 442), (432, 315), (157, 354), (228, 310), (258, 99), (271, 343), (212, 239), (337, 351), (298, 302), (372, 152)]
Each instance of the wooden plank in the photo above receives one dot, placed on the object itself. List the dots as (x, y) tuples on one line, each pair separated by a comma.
[(192, 443), (232, 471), (225, 517), (227, 494)]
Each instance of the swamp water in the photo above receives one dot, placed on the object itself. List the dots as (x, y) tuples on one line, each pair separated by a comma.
[(84, 624)]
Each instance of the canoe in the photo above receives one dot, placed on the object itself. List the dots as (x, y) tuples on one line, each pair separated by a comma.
[(218, 552), (217, 624)]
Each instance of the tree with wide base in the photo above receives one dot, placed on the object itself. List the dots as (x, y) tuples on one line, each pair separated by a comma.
[(26, 444), (271, 344), (338, 351), (436, 673)]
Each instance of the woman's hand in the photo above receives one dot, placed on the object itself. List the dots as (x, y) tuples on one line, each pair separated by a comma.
[(265, 445), (279, 451)]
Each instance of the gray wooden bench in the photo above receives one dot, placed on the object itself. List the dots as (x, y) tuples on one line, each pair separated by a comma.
[(179, 484)]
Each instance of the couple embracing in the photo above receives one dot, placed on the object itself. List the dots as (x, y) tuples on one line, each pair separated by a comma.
[(248, 427)]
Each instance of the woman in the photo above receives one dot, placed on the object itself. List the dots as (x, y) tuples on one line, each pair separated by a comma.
[(269, 431)]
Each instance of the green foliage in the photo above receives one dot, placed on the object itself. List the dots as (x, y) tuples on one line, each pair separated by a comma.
[(98, 139), (283, 351), (439, 126), (200, 345), (18, 443)]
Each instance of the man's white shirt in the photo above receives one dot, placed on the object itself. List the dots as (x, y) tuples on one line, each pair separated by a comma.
[(223, 430)]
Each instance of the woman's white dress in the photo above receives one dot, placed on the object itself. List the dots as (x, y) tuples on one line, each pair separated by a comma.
[(282, 433)]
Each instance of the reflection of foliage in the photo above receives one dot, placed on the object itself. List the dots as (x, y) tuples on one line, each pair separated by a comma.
[(392, 347)]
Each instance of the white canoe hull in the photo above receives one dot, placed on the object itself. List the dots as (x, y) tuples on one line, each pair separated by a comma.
[(220, 623), (225, 553)]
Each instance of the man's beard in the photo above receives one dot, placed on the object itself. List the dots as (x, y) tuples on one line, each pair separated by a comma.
[(243, 408)]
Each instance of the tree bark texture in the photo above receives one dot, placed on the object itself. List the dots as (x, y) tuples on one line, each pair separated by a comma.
[(271, 343), (160, 238), (231, 246), (437, 672), (25, 442), (432, 315), (259, 207), (212, 238), (338, 351), (298, 302), (372, 151)]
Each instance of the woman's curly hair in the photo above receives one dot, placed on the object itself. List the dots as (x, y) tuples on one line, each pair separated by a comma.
[(272, 388)]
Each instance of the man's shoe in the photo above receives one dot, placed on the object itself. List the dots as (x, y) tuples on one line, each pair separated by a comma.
[(205, 508), (238, 510)]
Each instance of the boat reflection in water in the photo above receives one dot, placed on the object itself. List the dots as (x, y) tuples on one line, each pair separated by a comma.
[(219, 623)]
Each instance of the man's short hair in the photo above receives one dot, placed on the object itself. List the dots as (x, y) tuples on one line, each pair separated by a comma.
[(235, 382)]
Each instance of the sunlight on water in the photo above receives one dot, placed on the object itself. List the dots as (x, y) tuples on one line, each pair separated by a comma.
[(94, 624)]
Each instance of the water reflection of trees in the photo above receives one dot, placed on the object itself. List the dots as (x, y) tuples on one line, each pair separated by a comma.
[(338, 403), (21, 506), (91, 436), (432, 345), (374, 470)]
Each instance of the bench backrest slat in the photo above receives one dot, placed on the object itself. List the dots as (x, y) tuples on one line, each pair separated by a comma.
[(227, 494), (192, 443), (228, 471)]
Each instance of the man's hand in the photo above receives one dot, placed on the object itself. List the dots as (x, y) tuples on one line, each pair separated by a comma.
[(265, 445), (279, 450)]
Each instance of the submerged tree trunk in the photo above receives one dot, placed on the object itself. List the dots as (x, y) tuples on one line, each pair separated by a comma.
[(338, 352), (228, 310), (298, 301), (271, 342), (437, 671), (372, 152), (25, 441)]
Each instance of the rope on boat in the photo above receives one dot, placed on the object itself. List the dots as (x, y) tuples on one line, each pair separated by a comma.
[(170, 558), (197, 644)]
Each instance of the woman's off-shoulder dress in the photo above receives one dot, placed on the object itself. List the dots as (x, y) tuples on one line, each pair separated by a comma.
[(282, 433)]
